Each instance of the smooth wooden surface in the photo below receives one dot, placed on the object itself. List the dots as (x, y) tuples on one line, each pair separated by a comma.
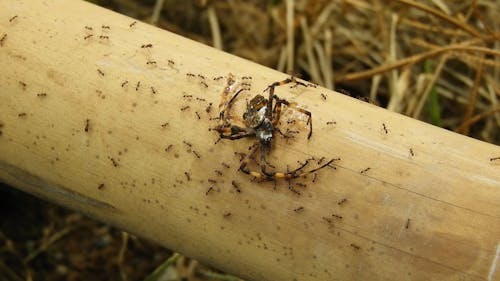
[(428, 207)]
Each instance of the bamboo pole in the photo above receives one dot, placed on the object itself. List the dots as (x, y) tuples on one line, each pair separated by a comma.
[(94, 119)]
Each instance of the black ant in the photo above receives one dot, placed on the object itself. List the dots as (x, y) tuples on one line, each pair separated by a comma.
[(87, 125), (261, 119), (3, 39)]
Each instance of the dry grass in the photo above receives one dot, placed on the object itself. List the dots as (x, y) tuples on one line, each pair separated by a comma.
[(438, 61)]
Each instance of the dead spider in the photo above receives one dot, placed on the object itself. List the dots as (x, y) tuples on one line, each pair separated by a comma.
[(260, 120)]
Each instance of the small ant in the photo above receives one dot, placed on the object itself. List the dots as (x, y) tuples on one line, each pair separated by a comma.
[(365, 170), (385, 128), (341, 202), (321, 160), (218, 78), (200, 99), (190, 75), (101, 186), (299, 209), (196, 154), (103, 37), (185, 108), (315, 176), (336, 216), (225, 165), (187, 96), (227, 214), (115, 163), (138, 85), (147, 46), (164, 125), (328, 220), (209, 108), (23, 85), (41, 95), (235, 185), (323, 96), (153, 90), (209, 189), (355, 246), (124, 83), (3, 39), (188, 176), (169, 147), (212, 181), (494, 159), (151, 62), (204, 84), (132, 24), (88, 28), (22, 114), (13, 18), (105, 27), (171, 63), (198, 115), (407, 223), (218, 172), (87, 37), (187, 143), (331, 123), (411, 152), (100, 72)]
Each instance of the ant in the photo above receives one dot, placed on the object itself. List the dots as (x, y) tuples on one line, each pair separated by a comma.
[(261, 119), (3, 39)]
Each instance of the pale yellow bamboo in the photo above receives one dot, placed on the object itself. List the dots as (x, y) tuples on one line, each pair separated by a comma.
[(407, 201)]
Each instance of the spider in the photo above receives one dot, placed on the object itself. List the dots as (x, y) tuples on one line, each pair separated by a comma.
[(260, 121)]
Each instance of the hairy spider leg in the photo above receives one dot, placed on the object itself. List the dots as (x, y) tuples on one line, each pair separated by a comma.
[(234, 132), (224, 128), (226, 106), (271, 87), (265, 176), (277, 108), (293, 105)]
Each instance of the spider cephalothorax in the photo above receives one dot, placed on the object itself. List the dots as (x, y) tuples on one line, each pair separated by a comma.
[(255, 119), (260, 119)]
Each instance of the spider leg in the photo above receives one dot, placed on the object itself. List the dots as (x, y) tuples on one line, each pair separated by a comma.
[(234, 132), (224, 127), (271, 87), (225, 105), (292, 79), (293, 105), (246, 159), (227, 99), (266, 176)]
